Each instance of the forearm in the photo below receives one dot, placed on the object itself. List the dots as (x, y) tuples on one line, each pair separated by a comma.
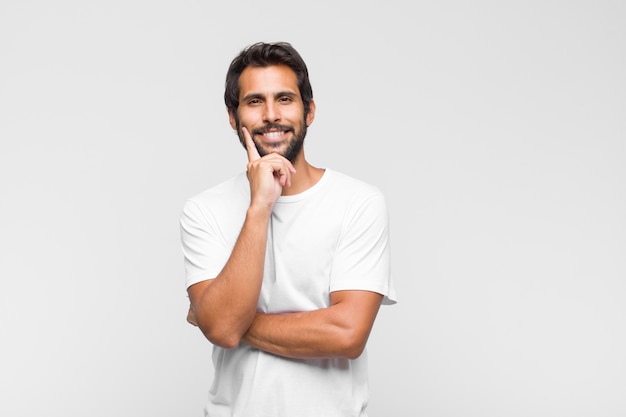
[(301, 335), (340, 330), (225, 306)]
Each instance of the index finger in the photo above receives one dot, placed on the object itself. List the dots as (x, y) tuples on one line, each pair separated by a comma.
[(253, 153)]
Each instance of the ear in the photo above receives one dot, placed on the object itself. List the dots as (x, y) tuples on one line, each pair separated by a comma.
[(231, 119), (311, 115)]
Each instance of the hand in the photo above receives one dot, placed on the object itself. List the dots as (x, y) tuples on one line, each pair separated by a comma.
[(267, 175)]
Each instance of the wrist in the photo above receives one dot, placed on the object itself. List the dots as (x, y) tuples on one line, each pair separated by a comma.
[(259, 211)]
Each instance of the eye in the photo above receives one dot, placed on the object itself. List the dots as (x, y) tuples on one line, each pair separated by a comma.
[(254, 101), (285, 99)]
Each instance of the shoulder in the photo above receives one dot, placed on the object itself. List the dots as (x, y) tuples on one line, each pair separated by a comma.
[(231, 193), (351, 187), (354, 200)]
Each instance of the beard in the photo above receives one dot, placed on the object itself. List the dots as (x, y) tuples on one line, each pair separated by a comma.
[(294, 147)]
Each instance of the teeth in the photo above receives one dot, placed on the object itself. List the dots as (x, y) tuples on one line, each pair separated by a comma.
[(273, 134)]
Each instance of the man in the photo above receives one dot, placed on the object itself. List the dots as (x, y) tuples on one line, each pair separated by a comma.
[(286, 264)]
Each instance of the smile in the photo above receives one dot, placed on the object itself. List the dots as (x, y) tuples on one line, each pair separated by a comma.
[(273, 135)]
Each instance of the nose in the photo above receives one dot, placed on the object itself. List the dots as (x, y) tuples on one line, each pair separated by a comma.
[(271, 112)]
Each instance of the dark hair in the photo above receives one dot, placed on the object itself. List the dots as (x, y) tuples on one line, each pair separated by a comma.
[(264, 55)]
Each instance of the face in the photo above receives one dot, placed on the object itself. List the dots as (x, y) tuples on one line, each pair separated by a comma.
[(271, 108)]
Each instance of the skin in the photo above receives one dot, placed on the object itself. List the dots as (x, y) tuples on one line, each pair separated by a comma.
[(225, 308)]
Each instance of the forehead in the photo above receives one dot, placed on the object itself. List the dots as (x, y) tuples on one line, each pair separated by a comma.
[(268, 80)]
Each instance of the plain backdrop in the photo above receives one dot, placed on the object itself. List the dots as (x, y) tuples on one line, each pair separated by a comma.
[(496, 129)]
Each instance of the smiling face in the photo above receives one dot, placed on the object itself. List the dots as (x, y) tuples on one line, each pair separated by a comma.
[(271, 108)]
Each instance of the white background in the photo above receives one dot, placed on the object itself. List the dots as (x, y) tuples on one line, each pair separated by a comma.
[(496, 129)]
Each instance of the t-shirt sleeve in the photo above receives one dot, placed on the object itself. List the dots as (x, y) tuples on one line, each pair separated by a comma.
[(204, 249), (362, 260)]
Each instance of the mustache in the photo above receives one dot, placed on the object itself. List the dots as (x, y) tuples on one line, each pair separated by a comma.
[(271, 126)]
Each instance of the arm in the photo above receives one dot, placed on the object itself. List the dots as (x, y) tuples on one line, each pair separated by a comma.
[(340, 330), (225, 306)]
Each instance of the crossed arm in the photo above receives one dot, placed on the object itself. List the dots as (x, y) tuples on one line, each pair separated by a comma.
[(225, 308), (340, 330)]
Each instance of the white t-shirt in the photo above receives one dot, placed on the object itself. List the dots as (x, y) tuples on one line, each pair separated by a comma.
[(333, 236)]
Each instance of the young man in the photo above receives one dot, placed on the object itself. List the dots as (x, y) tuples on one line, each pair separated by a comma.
[(286, 264)]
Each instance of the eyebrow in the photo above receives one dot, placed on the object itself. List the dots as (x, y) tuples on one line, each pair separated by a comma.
[(262, 96)]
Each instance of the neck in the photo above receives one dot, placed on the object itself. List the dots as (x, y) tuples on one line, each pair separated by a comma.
[(305, 177)]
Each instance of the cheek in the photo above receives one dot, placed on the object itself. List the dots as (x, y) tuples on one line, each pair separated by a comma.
[(250, 117)]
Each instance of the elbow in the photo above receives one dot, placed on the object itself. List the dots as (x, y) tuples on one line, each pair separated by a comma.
[(224, 338), (226, 341), (352, 345), (219, 332), (353, 352)]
